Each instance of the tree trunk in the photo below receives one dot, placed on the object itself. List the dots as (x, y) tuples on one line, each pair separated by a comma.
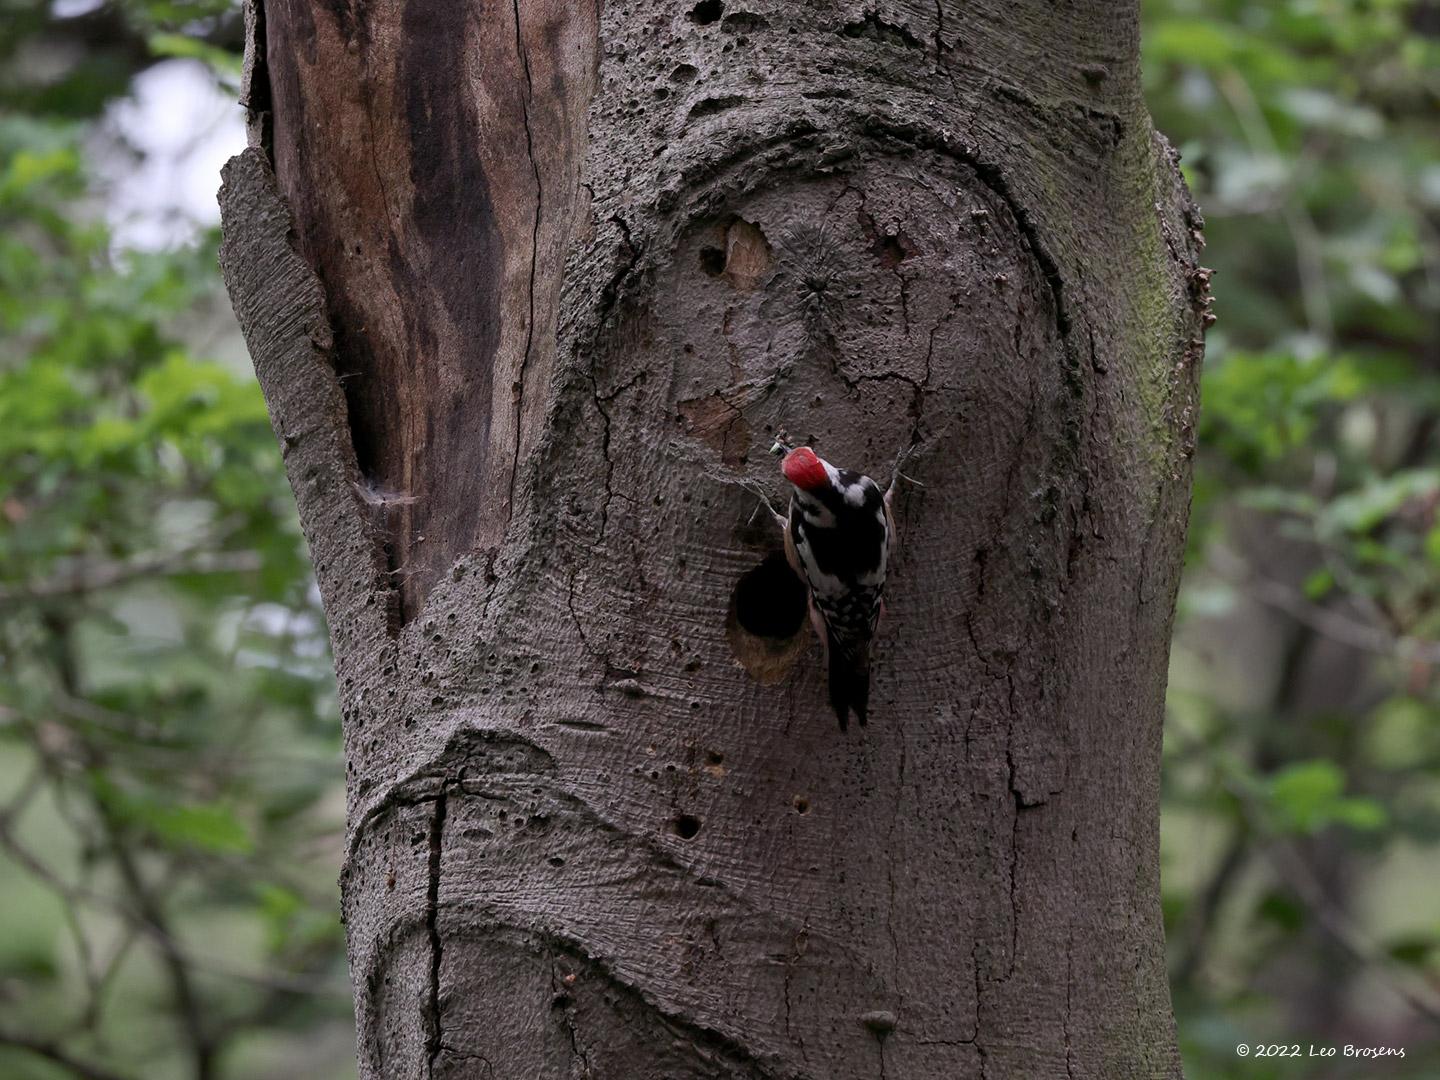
[(528, 288)]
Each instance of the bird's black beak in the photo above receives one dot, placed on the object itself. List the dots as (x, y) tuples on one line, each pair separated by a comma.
[(781, 446)]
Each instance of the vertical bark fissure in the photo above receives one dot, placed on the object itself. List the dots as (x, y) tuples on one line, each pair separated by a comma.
[(891, 854), (563, 1004), (977, 1039), (524, 54), (1069, 992), (435, 1039), (610, 298)]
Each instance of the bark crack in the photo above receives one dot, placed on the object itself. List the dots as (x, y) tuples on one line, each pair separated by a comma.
[(979, 1001), (791, 962), (609, 299), (1069, 990), (435, 1041), (890, 875), (563, 1005), (924, 386), (579, 629), (1014, 875), (940, 64), (524, 54)]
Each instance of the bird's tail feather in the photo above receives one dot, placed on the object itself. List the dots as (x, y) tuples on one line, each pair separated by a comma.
[(849, 680)]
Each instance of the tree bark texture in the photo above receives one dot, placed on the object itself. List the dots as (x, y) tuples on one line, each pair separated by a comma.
[(528, 286)]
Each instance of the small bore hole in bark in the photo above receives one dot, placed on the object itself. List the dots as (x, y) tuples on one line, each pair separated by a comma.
[(881, 1022), (744, 257), (770, 600), (802, 804), (706, 12), (686, 827), (712, 261)]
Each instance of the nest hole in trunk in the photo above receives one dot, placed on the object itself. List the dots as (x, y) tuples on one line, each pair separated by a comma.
[(766, 621)]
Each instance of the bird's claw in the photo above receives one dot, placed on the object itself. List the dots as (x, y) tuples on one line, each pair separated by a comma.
[(896, 473)]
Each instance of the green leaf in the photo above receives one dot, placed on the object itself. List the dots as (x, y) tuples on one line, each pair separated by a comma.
[(207, 826), (1414, 950), (1432, 545), (1309, 795), (1319, 584), (222, 61), (1282, 910), (1362, 510)]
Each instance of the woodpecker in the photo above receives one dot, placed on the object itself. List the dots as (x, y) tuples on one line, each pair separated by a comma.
[(837, 539)]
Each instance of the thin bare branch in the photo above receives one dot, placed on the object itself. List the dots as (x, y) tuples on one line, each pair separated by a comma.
[(52, 1051), (83, 576)]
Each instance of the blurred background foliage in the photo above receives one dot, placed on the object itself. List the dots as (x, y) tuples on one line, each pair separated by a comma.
[(170, 782), (171, 802), (1302, 775)]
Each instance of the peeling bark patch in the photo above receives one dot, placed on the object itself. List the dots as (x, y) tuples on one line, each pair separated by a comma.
[(396, 131), (719, 422), (743, 257), (455, 219), (747, 255)]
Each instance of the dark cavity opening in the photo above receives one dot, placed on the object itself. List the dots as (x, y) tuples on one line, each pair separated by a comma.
[(706, 12), (686, 827), (770, 600), (712, 261)]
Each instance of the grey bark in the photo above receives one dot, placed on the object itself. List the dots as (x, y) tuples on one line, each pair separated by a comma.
[(578, 266)]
